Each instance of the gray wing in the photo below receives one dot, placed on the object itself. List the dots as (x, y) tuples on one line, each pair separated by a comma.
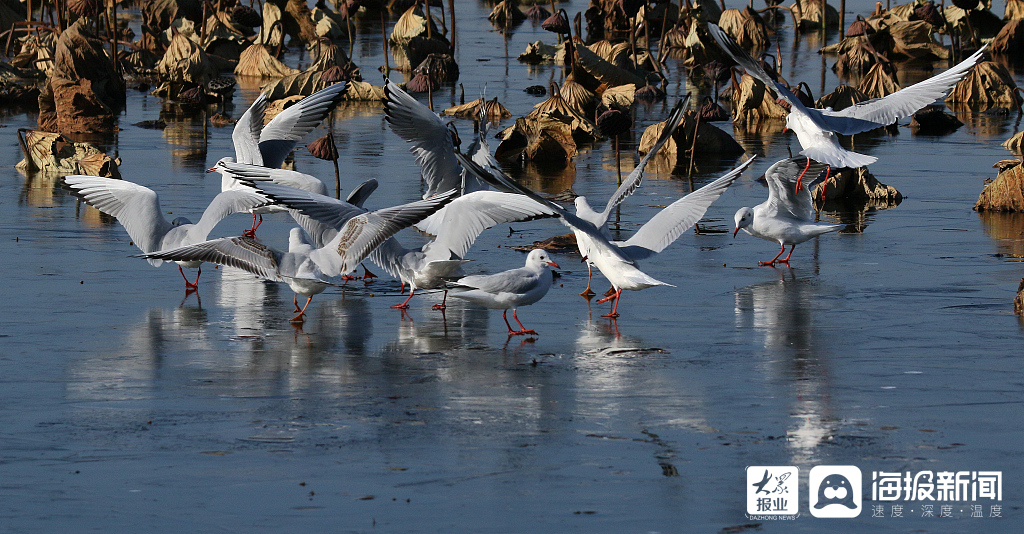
[(364, 232), (320, 216), (431, 140), (137, 208), (670, 223), (279, 136), (632, 182), (901, 104), (225, 203), (298, 180), (783, 198), (246, 135), (244, 253), (469, 215), (512, 281), (358, 196)]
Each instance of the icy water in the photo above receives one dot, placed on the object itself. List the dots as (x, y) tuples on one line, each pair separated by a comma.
[(128, 406)]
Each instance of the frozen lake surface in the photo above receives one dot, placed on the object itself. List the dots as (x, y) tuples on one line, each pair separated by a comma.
[(126, 405)]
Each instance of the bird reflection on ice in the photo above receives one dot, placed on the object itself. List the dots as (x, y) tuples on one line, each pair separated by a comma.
[(614, 369), (783, 312), (130, 373), (246, 296), (430, 331)]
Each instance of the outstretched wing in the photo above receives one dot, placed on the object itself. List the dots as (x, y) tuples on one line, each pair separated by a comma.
[(632, 182), (901, 104), (279, 136), (298, 180), (364, 232), (137, 208), (469, 215), (431, 140), (246, 135), (670, 223), (244, 253), (225, 203), (320, 216)]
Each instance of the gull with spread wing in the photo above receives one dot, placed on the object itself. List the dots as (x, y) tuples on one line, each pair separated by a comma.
[(786, 217), (137, 208), (294, 267), (618, 260), (510, 289), (268, 146), (816, 129), (439, 260), (627, 188)]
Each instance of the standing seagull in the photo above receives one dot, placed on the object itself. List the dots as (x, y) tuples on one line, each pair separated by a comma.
[(269, 145), (510, 289), (617, 260), (137, 208), (786, 216), (816, 129), (294, 267)]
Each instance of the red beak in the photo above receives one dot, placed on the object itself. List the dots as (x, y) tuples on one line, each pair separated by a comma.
[(553, 264), (211, 169), (734, 232), (785, 129)]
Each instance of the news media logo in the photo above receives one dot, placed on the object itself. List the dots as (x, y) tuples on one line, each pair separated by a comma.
[(834, 491), (773, 490)]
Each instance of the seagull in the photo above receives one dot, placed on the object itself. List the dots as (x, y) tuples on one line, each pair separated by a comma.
[(429, 266), (627, 188), (786, 216), (268, 146), (617, 260), (137, 208), (510, 289), (816, 129), (294, 267)]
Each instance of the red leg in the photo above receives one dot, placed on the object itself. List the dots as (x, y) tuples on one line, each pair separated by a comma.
[(510, 331), (800, 179), (299, 318), (615, 308), (444, 302), (791, 247), (405, 305), (612, 293), (191, 285), (252, 231), (590, 274), (772, 261), (824, 186), (367, 274), (295, 301), (522, 329)]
